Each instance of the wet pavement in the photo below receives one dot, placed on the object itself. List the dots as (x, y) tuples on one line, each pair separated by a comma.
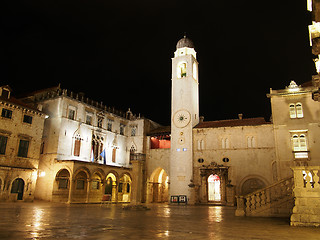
[(41, 220)]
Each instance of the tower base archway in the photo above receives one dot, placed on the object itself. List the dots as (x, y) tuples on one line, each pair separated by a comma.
[(158, 186)]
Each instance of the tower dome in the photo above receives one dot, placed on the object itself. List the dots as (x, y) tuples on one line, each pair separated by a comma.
[(185, 42)]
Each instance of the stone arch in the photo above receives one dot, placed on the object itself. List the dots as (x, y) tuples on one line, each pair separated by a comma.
[(158, 186), (80, 187), (111, 185), (17, 188), (124, 187), (96, 185), (61, 185), (82, 169), (252, 183)]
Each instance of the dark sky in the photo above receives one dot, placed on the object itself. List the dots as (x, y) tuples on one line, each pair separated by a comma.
[(119, 52)]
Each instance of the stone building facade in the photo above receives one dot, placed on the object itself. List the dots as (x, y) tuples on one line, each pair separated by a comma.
[(88, 150), (21, 128)]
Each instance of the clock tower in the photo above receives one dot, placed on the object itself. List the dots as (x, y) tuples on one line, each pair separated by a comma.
[(184, 116)]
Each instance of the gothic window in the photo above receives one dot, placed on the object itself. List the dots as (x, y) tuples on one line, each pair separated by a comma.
[(99, 123), (182, 70), (133, 131), (97, 147)]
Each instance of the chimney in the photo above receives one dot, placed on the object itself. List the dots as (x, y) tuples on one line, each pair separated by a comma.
[(240, 115), (201, 119)]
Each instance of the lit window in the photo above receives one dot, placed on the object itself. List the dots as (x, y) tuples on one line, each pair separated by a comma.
[(99, 123), (299, 110), (296, 110), (182, 70), (292, 109), (194, 71), (299, 142)]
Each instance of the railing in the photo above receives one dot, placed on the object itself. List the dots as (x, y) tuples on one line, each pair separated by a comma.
[(307, 196), (307, 177), (262, 199)]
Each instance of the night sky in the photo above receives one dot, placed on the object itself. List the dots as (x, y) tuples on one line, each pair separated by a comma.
[(119, 52)]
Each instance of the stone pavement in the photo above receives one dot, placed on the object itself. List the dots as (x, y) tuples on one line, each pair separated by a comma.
[(41, 220)]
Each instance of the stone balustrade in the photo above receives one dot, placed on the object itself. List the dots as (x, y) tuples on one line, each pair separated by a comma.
[(269, 201), (306, 211)]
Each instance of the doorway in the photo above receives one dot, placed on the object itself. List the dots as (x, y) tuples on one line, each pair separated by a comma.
[(18, 187), (214, 193)]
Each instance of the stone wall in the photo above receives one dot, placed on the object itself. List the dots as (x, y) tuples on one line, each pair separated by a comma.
[(306, 211)]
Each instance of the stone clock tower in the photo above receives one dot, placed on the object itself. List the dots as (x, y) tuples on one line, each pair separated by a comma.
[(184, 116)]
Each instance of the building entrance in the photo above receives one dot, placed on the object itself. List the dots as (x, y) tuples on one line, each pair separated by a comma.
[(18, 187), (214, 188)]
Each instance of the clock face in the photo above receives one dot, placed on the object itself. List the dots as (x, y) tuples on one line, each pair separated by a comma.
[(181, 118)]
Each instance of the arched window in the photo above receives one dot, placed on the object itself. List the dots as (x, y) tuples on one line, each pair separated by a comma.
[(299, 142), (63, 179), (296, 110), (295, 143), (182, 70), (292, 109), (299, 110), (195, 71)]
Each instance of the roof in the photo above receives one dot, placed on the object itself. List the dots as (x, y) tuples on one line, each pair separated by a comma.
[(185, 42), (233, 123), (17, 102), (163, 130)]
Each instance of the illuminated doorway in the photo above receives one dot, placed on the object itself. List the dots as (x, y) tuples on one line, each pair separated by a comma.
[(214, 188), (158, 186)]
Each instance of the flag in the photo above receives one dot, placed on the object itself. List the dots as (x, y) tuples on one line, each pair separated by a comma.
[(92, 155), (103, 155)]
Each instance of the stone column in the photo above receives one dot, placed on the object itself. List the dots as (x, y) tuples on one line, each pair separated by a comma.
[(70, 190), (137, 181)]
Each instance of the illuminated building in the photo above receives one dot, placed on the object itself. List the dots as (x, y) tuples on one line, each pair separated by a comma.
[(21, 128), (88, 149)]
